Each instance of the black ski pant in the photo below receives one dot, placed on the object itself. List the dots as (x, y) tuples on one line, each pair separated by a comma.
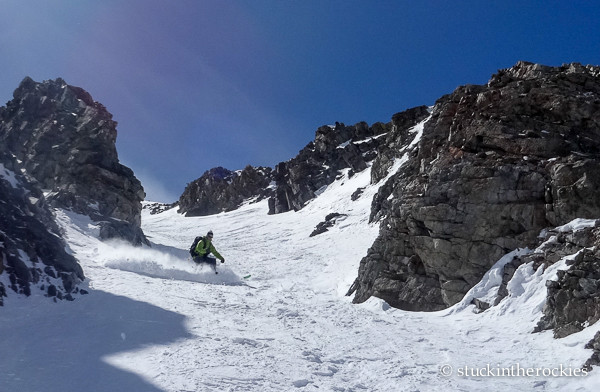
[(206, 259)]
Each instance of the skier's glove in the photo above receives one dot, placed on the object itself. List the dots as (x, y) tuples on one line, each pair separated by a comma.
[(223, 260)]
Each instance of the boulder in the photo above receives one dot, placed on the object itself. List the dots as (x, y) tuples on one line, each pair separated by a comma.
[(330, 221)]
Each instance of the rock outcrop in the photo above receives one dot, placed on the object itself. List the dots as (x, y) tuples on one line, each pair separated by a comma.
[(335, 148), (65, 140), (157, 208), (219, 190), (594, 345), (330, 221), (396, 140), (574, 298), (32, 253), (495, 165)]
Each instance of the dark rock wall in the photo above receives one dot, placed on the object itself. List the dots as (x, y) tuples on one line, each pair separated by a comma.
[(221, 190), (66, 141), (495, 165), (32, 254)]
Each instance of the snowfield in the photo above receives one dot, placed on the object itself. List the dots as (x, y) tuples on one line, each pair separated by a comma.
[(154, 321)]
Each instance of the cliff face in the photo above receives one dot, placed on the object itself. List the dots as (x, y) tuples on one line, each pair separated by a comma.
[(219, 190), (65, 140), (495, 165)]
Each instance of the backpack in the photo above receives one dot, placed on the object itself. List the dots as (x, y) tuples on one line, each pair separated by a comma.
[(193, 247)]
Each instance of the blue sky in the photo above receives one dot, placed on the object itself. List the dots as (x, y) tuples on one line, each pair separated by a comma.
[(199, 84)]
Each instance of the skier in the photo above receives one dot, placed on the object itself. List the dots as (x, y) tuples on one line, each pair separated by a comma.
[(205, 248)]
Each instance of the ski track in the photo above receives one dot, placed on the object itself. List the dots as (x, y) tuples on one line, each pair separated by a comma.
[(290, 327)]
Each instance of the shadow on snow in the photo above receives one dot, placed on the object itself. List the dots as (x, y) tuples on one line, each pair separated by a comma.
[(65, 343)]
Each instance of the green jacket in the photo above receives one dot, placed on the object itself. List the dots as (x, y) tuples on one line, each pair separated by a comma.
[(204, 249)]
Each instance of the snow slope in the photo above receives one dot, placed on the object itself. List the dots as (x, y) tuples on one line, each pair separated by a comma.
[(154, 321)]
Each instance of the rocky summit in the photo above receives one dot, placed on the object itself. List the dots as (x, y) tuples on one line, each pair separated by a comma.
[(495, 165), (65, 140)]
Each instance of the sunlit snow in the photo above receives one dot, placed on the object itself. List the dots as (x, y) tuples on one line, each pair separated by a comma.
[(154, 321)]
